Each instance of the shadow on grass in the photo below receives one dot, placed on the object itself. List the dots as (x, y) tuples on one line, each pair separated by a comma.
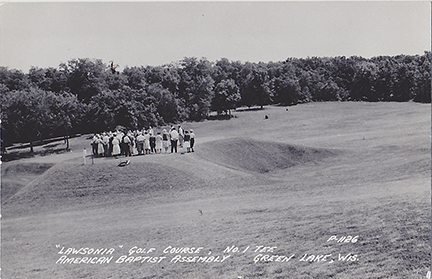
[(51, 146), (21, 154), (221, 117), (55, 145), (249, 109)]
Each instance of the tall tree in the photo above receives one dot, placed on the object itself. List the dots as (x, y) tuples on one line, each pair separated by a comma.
[(85, 77), (36, 114), (13, 79), (227, 95), (196, 87)]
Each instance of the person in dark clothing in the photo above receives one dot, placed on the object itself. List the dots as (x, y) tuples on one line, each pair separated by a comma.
[(152, 143), (192, 140), (125, 143), (186, 139), (94, 144)]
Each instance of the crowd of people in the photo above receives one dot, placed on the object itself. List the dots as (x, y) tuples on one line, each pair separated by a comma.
[(141, 142)]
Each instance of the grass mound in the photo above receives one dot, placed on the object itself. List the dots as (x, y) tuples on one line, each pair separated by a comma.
[(66, 186), (17, 176), (259, 156)]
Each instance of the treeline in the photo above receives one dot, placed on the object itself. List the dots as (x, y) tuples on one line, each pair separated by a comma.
[(85, 95)]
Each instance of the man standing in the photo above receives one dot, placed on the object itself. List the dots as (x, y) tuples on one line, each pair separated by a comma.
[(140, 143), (192, 140), (94, 144), (174, 135), (126, 147)]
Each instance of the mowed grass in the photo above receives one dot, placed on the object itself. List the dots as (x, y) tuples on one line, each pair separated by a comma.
[(289, 182)]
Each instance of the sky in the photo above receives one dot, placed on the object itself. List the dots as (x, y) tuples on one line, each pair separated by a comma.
[(156, 33)]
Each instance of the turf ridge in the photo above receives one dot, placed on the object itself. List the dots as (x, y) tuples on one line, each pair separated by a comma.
[(16, 176), (67, 186), (260, 156)]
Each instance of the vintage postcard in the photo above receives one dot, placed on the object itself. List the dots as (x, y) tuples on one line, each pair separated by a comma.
[(216, 139)]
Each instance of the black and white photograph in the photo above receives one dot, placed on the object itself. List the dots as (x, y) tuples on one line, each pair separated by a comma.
[(215, 140)]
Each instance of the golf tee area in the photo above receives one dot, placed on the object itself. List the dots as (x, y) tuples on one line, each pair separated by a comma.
[(316, 190)]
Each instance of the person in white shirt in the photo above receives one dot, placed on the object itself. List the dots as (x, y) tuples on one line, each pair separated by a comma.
[(174, 135)]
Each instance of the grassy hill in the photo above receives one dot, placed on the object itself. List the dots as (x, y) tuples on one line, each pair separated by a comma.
[(289, 183)]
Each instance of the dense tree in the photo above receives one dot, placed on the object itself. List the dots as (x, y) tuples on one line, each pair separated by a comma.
[(49, 79), (166, 104), (224, 70), (287, 91), (255, 88), (85, 95), (135, 77), (227, 95), (13, 79), (422, 77), (196, 87), (36, 114), (114, 79), (85, 77)]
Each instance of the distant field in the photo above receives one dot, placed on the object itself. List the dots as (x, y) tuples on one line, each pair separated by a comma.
[(262, 197)]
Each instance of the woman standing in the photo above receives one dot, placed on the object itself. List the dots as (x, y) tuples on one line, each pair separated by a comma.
[(146, 143), (100, 145), (165, 140), (181, 135), (140, 143), (116, 146), (158, 143)]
